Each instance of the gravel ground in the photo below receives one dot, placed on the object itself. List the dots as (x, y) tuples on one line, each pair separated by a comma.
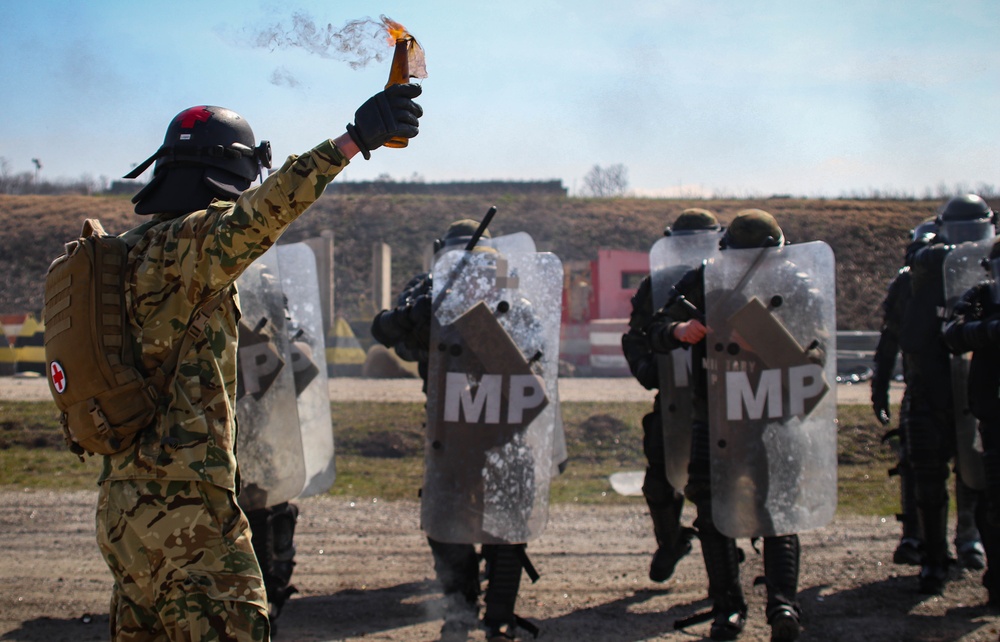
[(364, 573), (364, 570)]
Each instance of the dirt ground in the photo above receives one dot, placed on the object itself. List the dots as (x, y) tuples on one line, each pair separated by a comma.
[(364, 572)]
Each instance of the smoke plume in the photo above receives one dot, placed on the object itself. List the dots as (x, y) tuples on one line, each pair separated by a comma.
[(357, 42)]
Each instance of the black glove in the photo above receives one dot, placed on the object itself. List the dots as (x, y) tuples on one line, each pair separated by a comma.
[(881, 408), (388, 114), (419, 309)]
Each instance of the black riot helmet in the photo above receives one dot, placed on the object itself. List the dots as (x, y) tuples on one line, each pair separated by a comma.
[(965, 218), (929, 227), (208, 152), (752, 229), (693, 220)]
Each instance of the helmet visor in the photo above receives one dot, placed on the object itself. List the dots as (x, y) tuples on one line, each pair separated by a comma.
[(965, 231)]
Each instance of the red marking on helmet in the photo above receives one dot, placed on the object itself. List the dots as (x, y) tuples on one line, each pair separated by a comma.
[(194, 115)]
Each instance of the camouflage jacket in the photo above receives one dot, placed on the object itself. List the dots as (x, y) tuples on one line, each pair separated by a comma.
[(176, 266)]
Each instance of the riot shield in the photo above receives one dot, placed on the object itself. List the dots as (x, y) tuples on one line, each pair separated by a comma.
[(492, 397), (771, 352), (962, 270), (670, 259), (522, 243), (300, 285), (269, 442), (516, 243)]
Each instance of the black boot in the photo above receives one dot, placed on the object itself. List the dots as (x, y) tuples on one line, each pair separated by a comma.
[(673, 541), (781, 573), (934, 570), (910, 551), (722, 565), (457, 569), (504, 565)]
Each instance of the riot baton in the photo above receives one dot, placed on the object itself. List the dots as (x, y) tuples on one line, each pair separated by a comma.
[(455, 271), (482, 228)]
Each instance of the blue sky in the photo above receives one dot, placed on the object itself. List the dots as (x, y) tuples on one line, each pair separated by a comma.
[(732, 97)]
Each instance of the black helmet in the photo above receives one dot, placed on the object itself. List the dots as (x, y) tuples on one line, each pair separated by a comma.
[(752, 229), (692, 221), (965, 218), (928, 227), (208, 152), (459, 233)]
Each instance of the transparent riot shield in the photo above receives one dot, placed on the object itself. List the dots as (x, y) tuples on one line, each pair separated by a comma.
[(962, 270), (522, 243), (300, 284), (492, 397), (771, 352), (670, 259), (269, 442), (516, 243)]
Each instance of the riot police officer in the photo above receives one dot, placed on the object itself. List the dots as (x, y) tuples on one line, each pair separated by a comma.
[(930, 428), (975, 327), (909, 551), (408, 330), (665, 502), (681, 325)]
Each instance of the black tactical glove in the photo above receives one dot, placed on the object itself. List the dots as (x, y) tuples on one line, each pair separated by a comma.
[(420, 309), (881, 408), (388, 114)]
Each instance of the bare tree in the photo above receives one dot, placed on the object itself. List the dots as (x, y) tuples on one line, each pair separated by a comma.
[(606, 182)]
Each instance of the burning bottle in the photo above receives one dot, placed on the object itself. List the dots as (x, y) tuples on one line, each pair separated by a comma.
[(407, 62)]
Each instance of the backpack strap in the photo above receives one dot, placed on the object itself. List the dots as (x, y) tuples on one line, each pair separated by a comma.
[(164, 376)]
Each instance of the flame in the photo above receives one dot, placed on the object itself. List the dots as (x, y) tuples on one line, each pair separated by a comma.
[(396, 31)]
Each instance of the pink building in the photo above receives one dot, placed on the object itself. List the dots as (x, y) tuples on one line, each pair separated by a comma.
[(596, 310)]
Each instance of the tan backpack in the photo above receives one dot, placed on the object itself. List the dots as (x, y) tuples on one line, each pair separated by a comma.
[(92, 371)]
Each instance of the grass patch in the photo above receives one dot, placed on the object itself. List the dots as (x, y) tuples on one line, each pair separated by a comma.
[(380, 453)]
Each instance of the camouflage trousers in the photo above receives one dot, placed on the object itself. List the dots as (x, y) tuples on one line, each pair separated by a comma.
[(182, 561)]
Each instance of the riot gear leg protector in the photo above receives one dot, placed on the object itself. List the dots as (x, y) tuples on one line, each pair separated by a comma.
[(722, 557), (273, 532), (910, 548), (968, 545), (781, 573), (932, 503), (503, 576), (722, 565), (457, 569), (990, 532), (930, 448), (911, 542), (991, 460), (665, 503)]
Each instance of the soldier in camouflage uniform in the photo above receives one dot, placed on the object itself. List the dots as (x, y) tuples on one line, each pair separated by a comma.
[(168, 523)]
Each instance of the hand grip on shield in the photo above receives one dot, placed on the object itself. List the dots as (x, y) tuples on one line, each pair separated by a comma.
[(690, 331)]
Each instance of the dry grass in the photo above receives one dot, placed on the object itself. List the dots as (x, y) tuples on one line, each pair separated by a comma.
[(380, 453), (868, 237)]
